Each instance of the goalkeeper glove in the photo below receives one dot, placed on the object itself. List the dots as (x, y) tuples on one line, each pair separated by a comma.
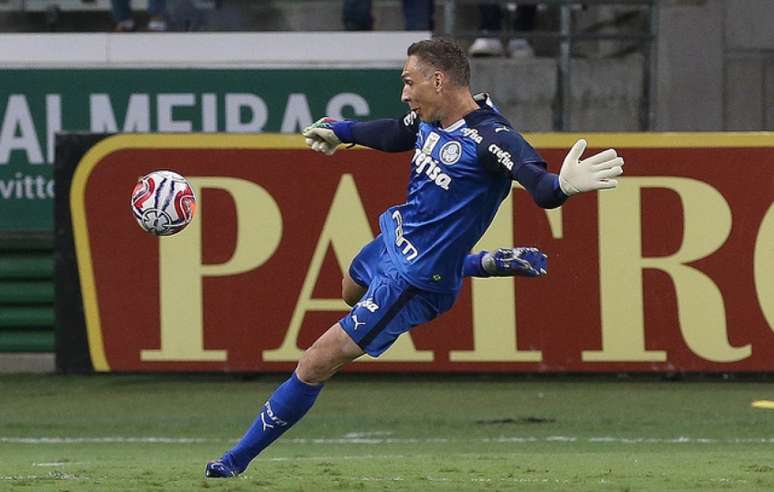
[(594, 173), (320, 136)]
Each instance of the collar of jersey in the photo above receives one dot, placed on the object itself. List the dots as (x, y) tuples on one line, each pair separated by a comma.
[(484, 113), (455, 126)]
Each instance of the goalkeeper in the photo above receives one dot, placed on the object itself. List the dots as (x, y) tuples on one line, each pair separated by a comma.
[(465, 156)]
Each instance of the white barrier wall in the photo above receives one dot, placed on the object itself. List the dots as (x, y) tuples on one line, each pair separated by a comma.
[(264, 50)]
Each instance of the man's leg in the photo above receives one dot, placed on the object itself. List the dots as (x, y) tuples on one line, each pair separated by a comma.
[(157, 10), (523, 20), (122, 14), (502, 262), (490, 15), (392, 307), (356, 15), (506, 262), (290, 401), (418, 14)]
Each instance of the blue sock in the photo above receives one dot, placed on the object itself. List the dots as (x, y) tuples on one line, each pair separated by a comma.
[(473, 267), (289, 402)]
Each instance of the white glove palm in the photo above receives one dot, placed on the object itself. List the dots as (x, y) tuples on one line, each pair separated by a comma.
[(594, 173), (320, 136)]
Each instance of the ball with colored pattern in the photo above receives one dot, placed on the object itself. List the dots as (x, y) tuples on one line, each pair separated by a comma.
[(163, 202)]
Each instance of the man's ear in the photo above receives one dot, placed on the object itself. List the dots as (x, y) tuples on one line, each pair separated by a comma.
[(439, 79)]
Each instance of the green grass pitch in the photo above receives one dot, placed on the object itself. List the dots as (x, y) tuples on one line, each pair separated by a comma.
[(424, 433)]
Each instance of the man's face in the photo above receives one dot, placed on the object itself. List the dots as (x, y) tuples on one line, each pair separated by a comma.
[(419, 89)]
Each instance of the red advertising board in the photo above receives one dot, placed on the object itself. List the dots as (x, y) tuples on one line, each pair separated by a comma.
[(672, 271)]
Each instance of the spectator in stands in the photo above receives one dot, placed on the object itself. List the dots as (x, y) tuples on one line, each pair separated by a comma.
[(122, 13), (491, 24), (418, 15)]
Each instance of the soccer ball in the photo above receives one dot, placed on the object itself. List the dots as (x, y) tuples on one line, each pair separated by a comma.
[(163, 202)]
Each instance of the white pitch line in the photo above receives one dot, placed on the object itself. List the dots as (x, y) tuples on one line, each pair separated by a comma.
[(527, 439), (60, 463), (54, 475), (376, 479), (392, 440), (472, 480), (110, 439), (346, 458), (360, 435)]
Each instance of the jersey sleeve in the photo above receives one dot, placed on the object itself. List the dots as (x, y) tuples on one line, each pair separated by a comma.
[(389, 135), (503, 150)]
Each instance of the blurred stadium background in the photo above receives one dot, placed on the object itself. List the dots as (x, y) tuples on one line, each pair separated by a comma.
[(686, 85)]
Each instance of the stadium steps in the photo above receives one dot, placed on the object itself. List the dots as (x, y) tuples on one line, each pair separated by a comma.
[(26, 292)]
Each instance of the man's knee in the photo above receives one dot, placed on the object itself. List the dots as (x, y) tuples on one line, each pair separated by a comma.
[(311, 369), (329, 353), (315, 365)]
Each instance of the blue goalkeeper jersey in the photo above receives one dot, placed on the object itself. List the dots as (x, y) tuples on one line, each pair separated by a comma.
[(458, 177)]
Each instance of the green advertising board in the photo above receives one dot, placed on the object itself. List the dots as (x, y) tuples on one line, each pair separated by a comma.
[(35, 104)]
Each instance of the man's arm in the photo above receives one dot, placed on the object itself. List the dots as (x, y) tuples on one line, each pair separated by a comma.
[(507, 151), (502, 150), (389, 135)]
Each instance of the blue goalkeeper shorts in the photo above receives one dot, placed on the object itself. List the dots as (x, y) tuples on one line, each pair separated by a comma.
[(391, 305)]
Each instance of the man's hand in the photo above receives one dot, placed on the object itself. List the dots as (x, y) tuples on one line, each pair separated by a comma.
[(320, 136), (594, 173)]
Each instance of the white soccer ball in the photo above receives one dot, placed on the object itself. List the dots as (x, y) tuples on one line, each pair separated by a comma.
[(163, 202)]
